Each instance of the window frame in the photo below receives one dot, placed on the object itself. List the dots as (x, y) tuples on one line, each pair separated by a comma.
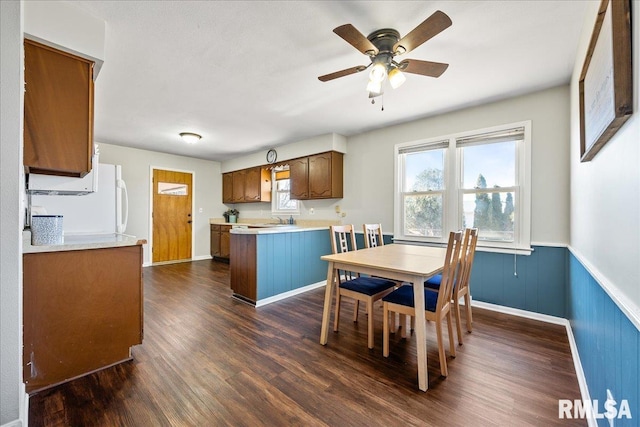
[(454, 191), (274, 198)]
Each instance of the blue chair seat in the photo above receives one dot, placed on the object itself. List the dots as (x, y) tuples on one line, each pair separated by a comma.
[(367, 285), (404, 296), (434, 282)]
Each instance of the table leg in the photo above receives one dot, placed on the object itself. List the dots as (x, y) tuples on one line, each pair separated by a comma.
[(326, 312), (421, 333)]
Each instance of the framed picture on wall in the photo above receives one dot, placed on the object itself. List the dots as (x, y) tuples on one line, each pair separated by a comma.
[(606, 86)]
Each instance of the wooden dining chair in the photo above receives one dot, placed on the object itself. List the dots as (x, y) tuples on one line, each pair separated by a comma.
[(461, 283), (365, 289), (437, 304), (372, 235)]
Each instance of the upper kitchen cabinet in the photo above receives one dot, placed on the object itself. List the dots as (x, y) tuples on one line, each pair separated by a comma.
[(299, 178), (246, 186), (58, 111), (227, 187), (317, 177), (257, 185)]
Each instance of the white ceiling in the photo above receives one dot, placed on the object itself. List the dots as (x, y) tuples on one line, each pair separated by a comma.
[(243, 74)]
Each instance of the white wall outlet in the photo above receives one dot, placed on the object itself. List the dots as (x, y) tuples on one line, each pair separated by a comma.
[(200, 210), (311, 211)]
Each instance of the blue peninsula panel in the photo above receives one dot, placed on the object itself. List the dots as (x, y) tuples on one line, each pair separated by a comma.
[(289, 261)]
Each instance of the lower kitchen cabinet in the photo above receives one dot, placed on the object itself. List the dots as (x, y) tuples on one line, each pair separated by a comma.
[(220, 241), (83, 311)]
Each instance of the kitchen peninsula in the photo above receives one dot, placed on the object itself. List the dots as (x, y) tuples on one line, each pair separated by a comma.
[(83, 306), (272, 262)]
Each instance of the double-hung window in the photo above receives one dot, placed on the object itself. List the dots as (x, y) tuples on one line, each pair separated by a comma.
[(281, 202), (473, 179)]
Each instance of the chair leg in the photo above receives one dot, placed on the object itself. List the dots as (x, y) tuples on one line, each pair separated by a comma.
[(456, 307), (385, 329), (336, 317), (370, 322), (441, 354), (392, 324), (452, 344), (403, 325), (356, 307), (467, 303)]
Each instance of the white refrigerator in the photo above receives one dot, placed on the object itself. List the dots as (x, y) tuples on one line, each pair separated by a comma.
[(101, 212)]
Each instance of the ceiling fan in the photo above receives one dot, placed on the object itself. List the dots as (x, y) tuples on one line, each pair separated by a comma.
[(383, 45)]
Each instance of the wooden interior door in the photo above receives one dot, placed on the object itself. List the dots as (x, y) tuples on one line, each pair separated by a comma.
[(172, 219)]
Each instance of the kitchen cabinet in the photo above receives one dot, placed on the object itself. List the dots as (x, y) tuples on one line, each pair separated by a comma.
[(238, 186), (317, 177), (227, 187), (246, 186), (257, 185), (243, 267), (58, 111), (220, 241), (80, 314), (299, 178)]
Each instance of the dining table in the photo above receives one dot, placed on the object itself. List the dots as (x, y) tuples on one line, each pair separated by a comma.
[(401, 262)]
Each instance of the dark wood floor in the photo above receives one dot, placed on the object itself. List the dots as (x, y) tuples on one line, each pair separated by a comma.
[(208, 359)]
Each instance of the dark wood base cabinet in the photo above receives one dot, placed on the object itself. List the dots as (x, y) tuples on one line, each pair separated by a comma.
[(83, 311), (243, 267)]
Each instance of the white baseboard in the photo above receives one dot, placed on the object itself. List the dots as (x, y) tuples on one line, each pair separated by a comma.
[(582, 380), (520, 313), (291, 293)]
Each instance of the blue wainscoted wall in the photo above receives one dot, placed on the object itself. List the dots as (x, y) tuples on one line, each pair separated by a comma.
[(540, 285), (607, 341), (288, 261)]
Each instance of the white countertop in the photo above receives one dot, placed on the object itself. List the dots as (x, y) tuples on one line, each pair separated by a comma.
[(285, 228), (76, 242)]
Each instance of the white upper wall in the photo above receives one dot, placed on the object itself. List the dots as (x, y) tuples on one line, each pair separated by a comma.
[(65, 27), (369, 164), (136, 172), (318, 144), (605, 192)]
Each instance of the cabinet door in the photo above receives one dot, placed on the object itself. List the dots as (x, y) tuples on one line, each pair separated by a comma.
[(320, 176), (325, 175), (58, 111), (238, 186), (225, 243), (215, 240), (80, 313), (299, 176), (252, 185), (227, 187)]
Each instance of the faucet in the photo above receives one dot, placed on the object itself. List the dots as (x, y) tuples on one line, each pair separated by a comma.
[(278, 218)]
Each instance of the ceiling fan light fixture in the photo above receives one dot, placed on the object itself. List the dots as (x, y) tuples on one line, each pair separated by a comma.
[(374, 87), (396, 78), (378, 72), (190, 137)]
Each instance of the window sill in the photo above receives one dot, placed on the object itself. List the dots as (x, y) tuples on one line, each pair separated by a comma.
[(482, 248)]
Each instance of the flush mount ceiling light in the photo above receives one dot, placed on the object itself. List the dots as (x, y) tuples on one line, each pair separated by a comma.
[(190, 137), (383, 45)]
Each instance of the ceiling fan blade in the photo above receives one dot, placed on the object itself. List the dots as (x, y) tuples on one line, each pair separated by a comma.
[(430, 27), (342, 73), (356, 39), (425, 68)]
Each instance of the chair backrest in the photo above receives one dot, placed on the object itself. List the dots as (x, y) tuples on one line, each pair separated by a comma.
[(451, 260), (372, 235), (343, 239), (345, 236), (466, 258)]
